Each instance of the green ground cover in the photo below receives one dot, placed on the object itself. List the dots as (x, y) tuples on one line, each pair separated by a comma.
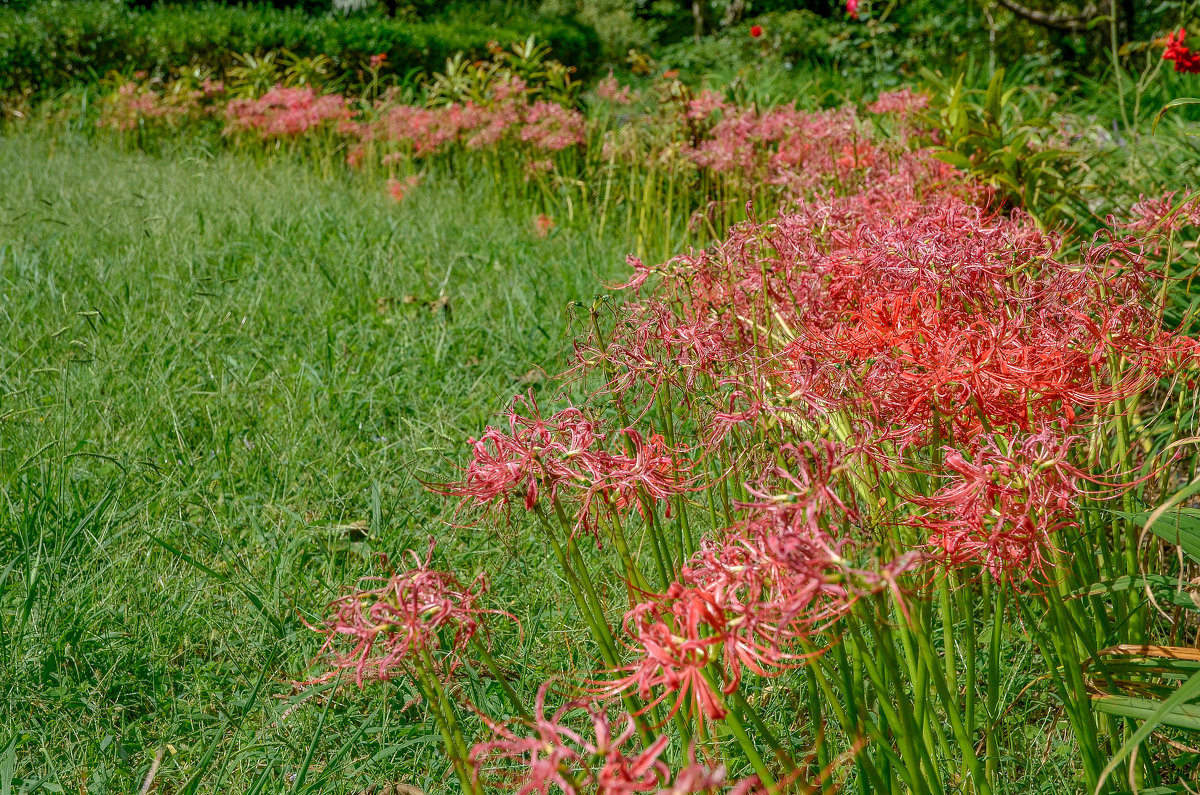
[(231, 363), (221, 384)]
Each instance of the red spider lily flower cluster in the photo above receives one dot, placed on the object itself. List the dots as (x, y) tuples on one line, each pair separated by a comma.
[(286, 112), (409, 616), (744, 599), (921, 319), (609, 90), (509, 115), (399, 189), (1003, 501), (1185, 60), (546, 754), (779, 151), (902, 103), (133, 104), (751, 592), (542, 225), (564, 456)]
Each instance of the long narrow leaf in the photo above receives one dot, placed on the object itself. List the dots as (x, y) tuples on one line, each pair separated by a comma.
[(1174, 711)]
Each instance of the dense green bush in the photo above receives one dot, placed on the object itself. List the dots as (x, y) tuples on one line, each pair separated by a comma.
[(51, 44)]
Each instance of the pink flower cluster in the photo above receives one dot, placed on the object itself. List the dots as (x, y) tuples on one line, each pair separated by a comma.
[(285, 112), (904, 102), (609, 90), (552, 753), (403, 621), (510, 115), (793, 151), (133, 104), (926, 321), (565, 458)]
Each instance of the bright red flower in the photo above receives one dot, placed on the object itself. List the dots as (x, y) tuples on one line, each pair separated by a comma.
[(756, 31), (1185, 60), (852, 8)]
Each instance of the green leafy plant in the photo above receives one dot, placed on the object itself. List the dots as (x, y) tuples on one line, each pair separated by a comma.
[(987, 134), (299, 70), (254, 75), (461, 81), (54, 44)]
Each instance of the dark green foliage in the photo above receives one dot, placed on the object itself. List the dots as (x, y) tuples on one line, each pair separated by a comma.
[(987, 134), (53, 44)]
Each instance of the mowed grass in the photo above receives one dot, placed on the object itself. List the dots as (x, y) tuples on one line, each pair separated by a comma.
[(221, 384)]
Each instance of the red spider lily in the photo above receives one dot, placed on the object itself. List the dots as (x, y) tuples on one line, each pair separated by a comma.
[(910, 315), (542, 225), (743, 600), (286, 112), (413, 614), (399, 189), (808, 495), (545, 757), (1004, 502), (536, 455), (676, 664), (654, 471), (653, 346), (555, 755), (551, 127), (904, 102), (609, 90), (564, 455), (599, 762)]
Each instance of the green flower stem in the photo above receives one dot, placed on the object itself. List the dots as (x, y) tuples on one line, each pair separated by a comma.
[(743, 739), (913, 753), (747, 711), (490, 663), (965, 744)]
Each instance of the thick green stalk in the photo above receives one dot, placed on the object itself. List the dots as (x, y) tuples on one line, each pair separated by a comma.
[(744, 742), (966, 746), (603, 639), (992, 746)]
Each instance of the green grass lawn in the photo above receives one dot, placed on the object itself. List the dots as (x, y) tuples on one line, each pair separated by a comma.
[(220, 386)]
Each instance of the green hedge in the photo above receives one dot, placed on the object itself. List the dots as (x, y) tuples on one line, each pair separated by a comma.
[(55, 43)]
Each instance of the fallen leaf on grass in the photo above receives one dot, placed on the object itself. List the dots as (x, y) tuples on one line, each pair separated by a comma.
[(392, 789), (534, 376), (386, 304)]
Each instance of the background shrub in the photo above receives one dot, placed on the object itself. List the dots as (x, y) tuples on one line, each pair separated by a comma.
[(50, 45)]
